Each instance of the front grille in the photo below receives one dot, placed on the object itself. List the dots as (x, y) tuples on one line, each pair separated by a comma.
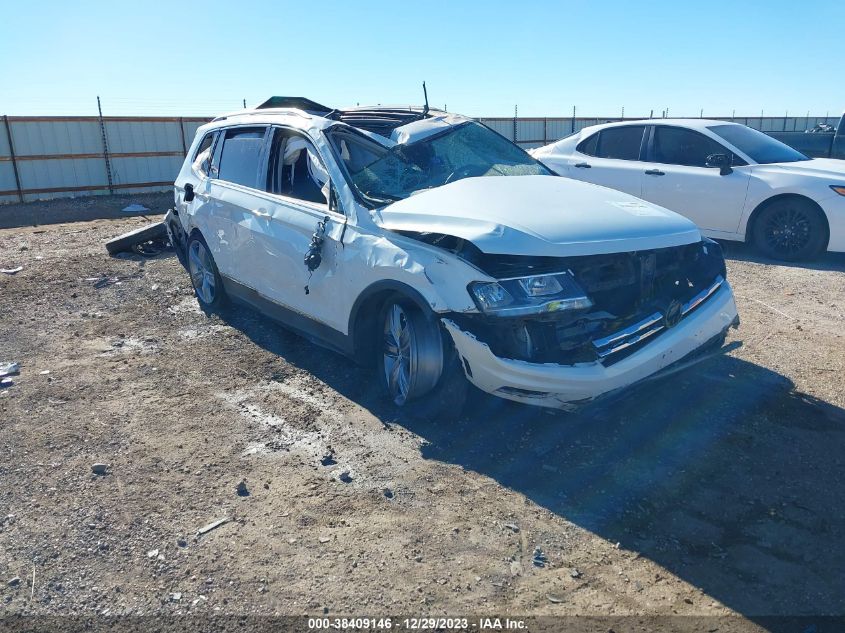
[(636, 297), (614, 347)]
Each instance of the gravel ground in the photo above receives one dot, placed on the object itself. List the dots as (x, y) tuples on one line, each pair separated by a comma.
[(716, 491)]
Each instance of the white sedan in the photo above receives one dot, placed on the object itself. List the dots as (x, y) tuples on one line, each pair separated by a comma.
[(734, 182)]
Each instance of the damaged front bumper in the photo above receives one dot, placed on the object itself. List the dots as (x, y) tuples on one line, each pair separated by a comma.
[(569, 386)]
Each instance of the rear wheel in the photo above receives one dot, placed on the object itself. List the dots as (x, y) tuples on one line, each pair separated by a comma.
[(205, 277), (418, 368), (790, 229)]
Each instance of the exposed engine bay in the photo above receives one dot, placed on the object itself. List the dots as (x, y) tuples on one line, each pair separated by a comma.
[(635, 296)]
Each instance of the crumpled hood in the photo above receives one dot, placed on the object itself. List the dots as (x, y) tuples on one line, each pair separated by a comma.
[(820, 167), (539, 215)]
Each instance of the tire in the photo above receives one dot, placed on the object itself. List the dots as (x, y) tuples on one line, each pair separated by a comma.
[(418, 367), (127, 241), (790, 229), (205, 278)]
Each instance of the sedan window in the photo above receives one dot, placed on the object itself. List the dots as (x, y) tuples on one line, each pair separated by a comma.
[(588, 145), (679, 146), (760, 147), (240, 156), (620, 142)]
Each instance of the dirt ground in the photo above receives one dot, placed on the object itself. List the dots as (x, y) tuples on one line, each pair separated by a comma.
[(716, 491)]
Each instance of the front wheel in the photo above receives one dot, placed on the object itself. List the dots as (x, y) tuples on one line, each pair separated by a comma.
[(790, 229), (419, 370)]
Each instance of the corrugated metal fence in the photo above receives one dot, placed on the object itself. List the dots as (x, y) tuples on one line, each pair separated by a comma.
[(50, 157)]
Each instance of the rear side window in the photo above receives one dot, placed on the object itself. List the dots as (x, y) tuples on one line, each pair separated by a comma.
[(679, 146), (202, 157), (588, 145), (620, 142), (240, 156)]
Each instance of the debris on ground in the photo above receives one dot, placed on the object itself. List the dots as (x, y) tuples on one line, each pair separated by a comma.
[(9, 369), (11, 271), (176, 596), (135, 208), (554, 599), (148, 241), (100, 469), (539, 559), (241, 489), (153, 553), (6, 382), (328, 460), (14, 582), (214, 524), (345, 477), (575, 573), (513, 527), (388, 493)]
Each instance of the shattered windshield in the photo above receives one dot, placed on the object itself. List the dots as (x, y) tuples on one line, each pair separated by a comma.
[(383, 175)]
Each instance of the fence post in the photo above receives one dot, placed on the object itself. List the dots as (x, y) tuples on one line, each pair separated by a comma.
[(545, 130), (105, 147), (515, 111), (12, 156), (573, 119)]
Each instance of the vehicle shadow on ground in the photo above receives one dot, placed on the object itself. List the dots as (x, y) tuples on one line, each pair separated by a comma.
[(742, 252), (722, 474)]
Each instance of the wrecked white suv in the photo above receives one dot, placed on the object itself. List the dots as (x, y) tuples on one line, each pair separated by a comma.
[(431, 246)]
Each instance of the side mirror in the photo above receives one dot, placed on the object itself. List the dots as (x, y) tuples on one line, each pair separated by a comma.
[(189, 192), (722, 161)]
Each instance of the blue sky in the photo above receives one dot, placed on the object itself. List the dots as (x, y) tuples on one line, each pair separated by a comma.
[(478, 58)]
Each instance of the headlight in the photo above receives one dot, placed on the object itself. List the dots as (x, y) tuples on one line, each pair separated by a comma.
[(840, 189), (537, 294)]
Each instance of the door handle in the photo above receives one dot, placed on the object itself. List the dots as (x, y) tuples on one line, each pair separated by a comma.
[(654, 172), (583, 165)]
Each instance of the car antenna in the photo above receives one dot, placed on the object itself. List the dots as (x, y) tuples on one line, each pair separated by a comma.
[(425, 94)]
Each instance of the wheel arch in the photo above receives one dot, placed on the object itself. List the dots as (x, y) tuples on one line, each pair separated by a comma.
[(755, 214), (364, 314)]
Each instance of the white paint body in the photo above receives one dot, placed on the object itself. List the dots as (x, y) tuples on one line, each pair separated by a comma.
[(259, 239), (721, 206)]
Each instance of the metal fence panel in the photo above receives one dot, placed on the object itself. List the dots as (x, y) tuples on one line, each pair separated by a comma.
[(530, 130), (143, 136), (54, 174), (44, 137), (502, 126), (7, 176), (152, 169)]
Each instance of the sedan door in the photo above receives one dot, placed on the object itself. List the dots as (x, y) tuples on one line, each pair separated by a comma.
[(610, 158), (676, 177)]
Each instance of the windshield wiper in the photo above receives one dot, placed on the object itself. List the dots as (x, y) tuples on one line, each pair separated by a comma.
[(384, 198)]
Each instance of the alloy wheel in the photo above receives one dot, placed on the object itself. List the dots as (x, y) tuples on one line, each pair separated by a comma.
[(202, 272), (788, 231)]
